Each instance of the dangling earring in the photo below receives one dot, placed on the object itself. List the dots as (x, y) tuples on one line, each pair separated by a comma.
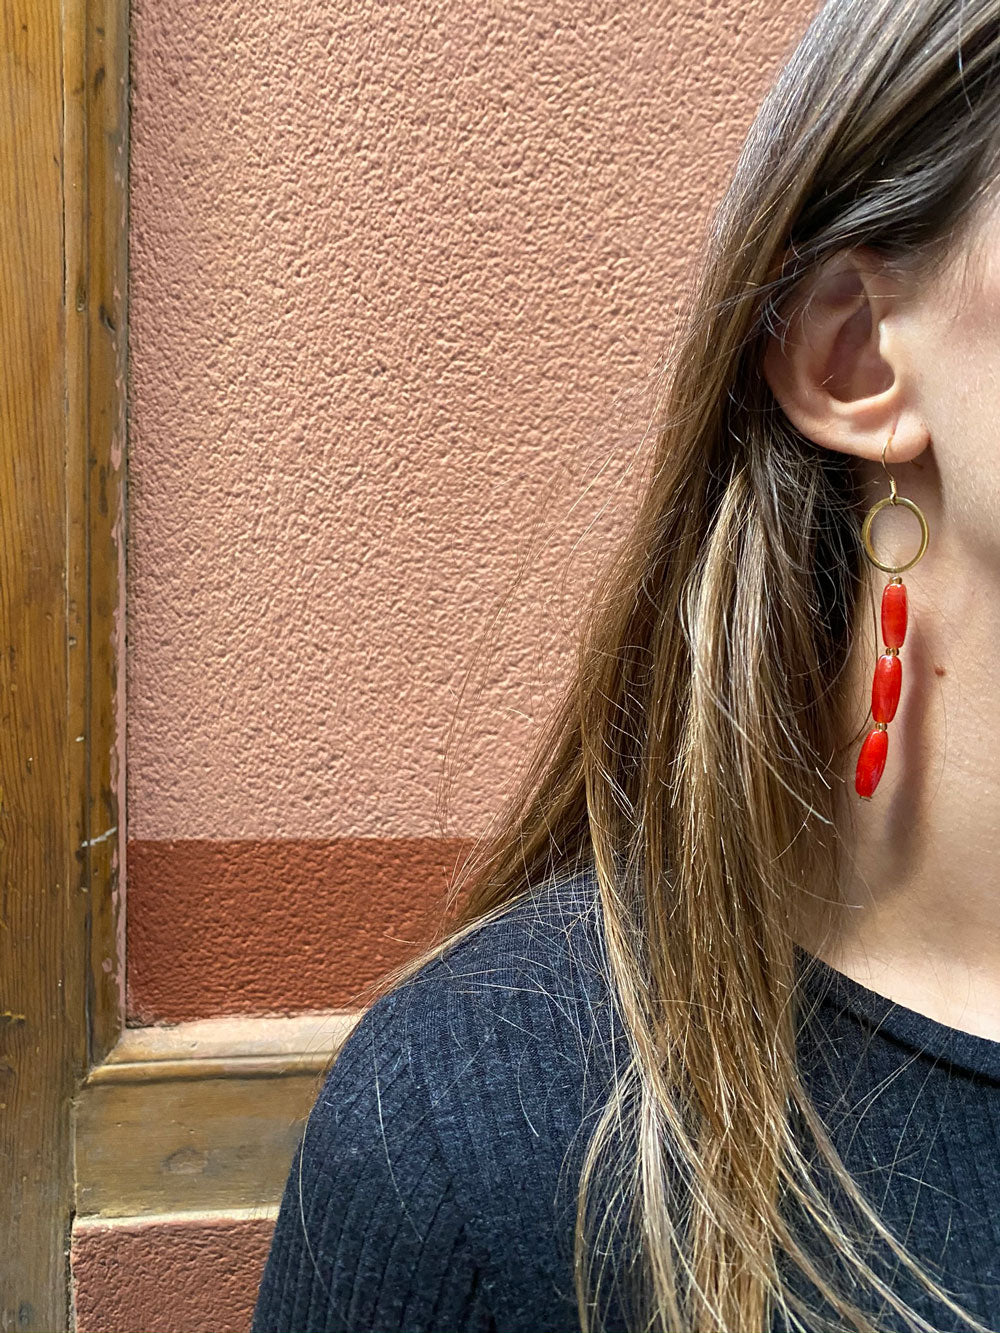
[(888, 668)]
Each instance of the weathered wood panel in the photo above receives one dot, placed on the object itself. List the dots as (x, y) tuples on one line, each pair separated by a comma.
[(203, 1115), (40, 978), (62, 297)]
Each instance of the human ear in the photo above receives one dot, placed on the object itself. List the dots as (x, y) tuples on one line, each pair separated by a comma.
[(838, 364)]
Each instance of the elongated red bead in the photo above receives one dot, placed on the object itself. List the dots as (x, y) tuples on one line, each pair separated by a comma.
[(871, 762), (894, 614), (885, 687)]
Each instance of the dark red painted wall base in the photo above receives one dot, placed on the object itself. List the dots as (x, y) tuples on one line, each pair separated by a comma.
[(276, 927), (182, 1276)]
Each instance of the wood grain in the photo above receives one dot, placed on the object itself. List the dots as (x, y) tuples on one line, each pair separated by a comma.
[(199, 1116), (96, 468), (61, 414)]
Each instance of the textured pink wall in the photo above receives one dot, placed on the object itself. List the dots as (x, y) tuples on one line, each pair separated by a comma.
[(400, 274), (391, 264)]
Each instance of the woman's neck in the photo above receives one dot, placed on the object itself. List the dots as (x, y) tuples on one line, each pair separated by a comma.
[(921, 916)]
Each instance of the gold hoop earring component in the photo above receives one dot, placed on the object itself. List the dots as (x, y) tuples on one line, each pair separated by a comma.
[(888, 677)]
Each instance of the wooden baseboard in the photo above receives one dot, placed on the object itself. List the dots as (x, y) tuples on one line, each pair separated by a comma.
[(204, 1115)]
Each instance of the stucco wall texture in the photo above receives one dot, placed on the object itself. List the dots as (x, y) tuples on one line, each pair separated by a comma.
[(399, 274), (197, 1275)]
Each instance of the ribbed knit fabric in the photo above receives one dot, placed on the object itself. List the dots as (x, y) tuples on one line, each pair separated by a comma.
[(435, 1185)]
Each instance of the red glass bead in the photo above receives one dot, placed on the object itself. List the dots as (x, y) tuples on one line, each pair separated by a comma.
[(885, 687), (894, 614), (871, 762)]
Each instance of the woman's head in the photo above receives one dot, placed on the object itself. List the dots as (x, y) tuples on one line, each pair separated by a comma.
[(700, 758)]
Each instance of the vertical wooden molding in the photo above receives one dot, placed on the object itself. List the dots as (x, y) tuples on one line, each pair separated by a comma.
[(96, 470), (63, 146)]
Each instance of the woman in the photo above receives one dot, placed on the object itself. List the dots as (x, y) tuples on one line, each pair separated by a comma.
[(716, 1045)]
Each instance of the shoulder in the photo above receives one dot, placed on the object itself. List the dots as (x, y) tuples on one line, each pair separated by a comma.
[(514, 1014), (478, 1080), (540, 961), (512, 1026)]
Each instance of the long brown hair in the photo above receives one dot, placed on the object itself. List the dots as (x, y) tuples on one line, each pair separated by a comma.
[(696, 764)]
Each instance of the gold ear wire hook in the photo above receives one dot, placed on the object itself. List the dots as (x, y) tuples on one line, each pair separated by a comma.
[(892, 499), (892, 479)]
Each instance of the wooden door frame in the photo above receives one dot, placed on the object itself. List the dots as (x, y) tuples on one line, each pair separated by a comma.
[(71, 1071), (63, 252)]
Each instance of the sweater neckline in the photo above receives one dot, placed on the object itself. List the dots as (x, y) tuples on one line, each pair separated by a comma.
[(919, 1032)]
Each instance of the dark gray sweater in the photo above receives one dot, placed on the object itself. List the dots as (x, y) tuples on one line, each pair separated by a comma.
[(435, 1186)]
